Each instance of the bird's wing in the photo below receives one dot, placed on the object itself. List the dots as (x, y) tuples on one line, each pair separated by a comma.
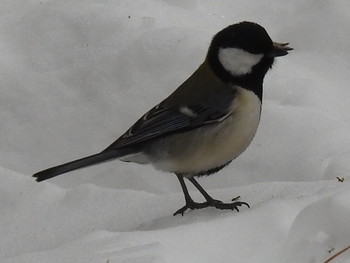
[(160, 121)]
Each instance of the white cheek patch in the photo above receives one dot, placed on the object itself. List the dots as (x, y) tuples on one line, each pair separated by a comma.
[(237, 61)]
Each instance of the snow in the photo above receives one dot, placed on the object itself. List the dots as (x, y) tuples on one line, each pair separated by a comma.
[(74, 75)]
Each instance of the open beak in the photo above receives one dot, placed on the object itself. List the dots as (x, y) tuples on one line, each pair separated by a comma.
[(280, 49)]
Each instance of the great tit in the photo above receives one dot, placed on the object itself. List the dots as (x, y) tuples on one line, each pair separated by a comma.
[(206, 122)]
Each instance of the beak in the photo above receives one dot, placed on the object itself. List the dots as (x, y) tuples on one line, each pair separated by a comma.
[(280, 49)]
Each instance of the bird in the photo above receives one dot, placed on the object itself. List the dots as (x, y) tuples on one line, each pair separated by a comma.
[(207, 122)]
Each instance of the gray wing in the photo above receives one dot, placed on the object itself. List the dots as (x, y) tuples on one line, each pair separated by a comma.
[(161, 121)]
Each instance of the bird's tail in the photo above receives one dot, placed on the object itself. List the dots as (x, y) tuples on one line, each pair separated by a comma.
[(80, 163)]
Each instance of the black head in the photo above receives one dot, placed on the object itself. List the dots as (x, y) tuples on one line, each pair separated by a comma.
[(243, 52), (248, 36)]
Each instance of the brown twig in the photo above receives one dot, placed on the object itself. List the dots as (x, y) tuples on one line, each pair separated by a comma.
[(337, 254)]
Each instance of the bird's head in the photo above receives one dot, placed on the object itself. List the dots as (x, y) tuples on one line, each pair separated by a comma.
[(243, 50)]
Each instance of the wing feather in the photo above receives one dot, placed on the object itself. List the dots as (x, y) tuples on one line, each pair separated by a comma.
[(160, 121)]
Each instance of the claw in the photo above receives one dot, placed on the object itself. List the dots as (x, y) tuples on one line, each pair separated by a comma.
[(181, 211), (191, 205), (211, 203), (236, 198)]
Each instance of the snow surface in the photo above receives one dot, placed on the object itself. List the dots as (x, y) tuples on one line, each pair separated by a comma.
[(74, 75)]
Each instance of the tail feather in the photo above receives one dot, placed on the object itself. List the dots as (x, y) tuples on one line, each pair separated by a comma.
[(77, 164)]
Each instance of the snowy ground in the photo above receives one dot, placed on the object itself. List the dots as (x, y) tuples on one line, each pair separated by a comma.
[(74, 75)]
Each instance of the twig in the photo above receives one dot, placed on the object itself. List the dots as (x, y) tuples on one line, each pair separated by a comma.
[(341, 179), (337, 254)]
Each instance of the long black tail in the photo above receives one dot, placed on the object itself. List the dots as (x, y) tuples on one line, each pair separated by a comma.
[(80, 163)]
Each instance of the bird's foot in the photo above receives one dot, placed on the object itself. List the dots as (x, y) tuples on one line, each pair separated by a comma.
[(230, 206), (212, 203), (191, 205)]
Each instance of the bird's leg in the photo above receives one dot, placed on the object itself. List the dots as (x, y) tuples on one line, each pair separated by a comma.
[(210, 202), (202, 191), (190, 204), (217, 203)]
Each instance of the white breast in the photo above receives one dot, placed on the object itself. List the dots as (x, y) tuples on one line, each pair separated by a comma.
[(212, 146)]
